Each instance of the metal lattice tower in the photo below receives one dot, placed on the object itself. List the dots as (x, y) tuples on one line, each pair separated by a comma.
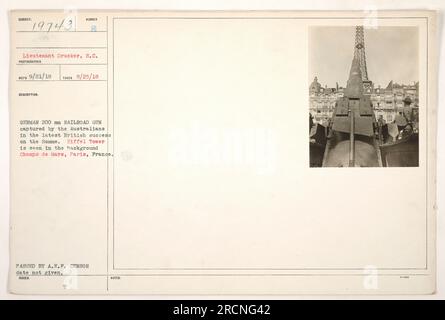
[(359, 51)]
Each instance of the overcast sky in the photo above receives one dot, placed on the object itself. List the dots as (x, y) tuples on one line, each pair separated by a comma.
[(391, 54)]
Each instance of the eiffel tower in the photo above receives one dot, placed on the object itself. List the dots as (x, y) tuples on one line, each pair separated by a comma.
[(360, 55)]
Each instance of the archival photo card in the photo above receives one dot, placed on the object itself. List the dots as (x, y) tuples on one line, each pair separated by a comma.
[(166, 152)]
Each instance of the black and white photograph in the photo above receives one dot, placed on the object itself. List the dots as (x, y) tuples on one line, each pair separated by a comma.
[(364, 96)]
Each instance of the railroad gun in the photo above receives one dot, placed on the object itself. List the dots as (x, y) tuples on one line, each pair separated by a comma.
[(352, 139)]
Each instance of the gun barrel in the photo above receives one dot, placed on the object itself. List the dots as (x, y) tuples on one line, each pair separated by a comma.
[(351, 139)]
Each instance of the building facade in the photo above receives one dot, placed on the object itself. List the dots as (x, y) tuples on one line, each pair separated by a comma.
[(386, 102)]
